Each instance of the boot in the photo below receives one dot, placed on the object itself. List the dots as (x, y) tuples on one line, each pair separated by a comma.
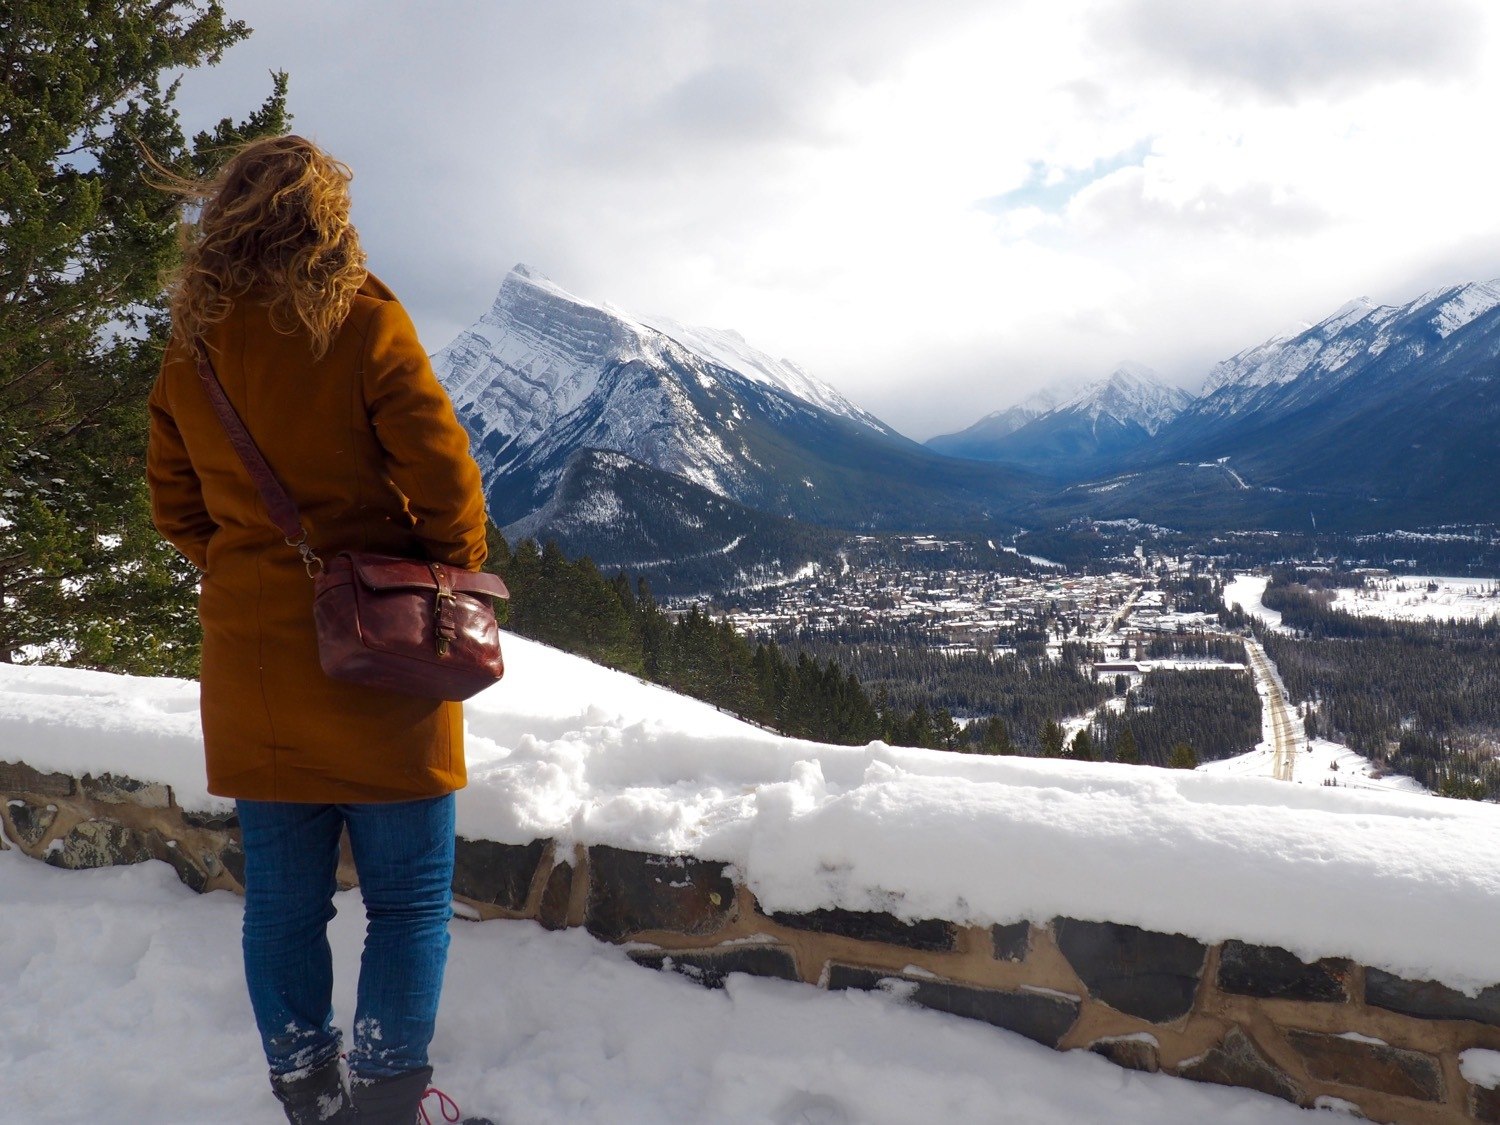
[(391, 1101), (315, 1097)]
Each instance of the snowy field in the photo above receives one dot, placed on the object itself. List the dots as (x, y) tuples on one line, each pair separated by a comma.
[(1245, 591), (1399, 597), (1411, 597), (124, 1004), (1321, 763), (571, 751)]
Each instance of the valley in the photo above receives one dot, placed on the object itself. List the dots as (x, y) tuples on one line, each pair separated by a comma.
[(1051, 580)]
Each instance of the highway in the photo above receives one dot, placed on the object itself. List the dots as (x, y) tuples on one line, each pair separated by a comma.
[(1287, 732)]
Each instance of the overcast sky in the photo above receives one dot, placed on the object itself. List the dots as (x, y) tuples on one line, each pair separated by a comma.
[(936, 206)]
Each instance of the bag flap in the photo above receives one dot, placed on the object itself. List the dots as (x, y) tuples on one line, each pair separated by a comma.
[(479, 582), (382, 572)]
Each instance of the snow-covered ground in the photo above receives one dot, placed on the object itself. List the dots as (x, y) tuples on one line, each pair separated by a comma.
[(568, 750), (124, 1004), (1412, 597), (1321, 763), (1245, 591), (1404, 597), (124, 1001)]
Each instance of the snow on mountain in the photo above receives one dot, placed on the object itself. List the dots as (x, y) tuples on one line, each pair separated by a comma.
[(727, 348), (545, 374), (1360, 330), (540, 355), (1091, 425), (976, 439), (536, 355), (1132, 393)]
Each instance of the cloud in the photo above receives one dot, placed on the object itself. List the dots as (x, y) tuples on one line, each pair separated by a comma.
[(808, 173), (1283, 49), (1256, 209)]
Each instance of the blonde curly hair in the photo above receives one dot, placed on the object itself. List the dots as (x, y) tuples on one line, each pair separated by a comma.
[(273, 225)]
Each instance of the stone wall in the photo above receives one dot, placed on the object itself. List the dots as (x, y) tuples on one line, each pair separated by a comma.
[(1332, 1033)]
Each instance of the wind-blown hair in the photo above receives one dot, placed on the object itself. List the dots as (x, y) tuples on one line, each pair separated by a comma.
[(274, 226)]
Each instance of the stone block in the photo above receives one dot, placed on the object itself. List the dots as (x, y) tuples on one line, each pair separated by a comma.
[(931, 934), (99, 843), (232, 859), (1429, 1000), (1238, 1062), (1484, 1105), (1142, 973), (1370, 1066), (31, 821), (1041, 1016), (632, 892), (1012, 942), (499, 874), (18, 777), (212, 821), (555, 897), (1130, 1051), (188, 869), (1273, 973), (116, 789), (711, 968)]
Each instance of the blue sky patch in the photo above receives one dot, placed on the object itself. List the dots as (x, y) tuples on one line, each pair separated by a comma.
[(1053, 197)]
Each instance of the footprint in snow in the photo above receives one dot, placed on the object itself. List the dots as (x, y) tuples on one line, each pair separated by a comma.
[(803, 1108)]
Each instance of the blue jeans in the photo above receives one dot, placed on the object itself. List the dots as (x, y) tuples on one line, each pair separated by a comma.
[(404, 855)]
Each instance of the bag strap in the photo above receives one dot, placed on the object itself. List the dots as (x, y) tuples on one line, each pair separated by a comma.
[(279, 505)]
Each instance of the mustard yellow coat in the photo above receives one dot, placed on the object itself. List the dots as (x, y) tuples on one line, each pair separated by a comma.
[(367, 445)]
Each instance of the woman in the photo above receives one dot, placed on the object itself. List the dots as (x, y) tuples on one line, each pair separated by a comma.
[(323, 365)]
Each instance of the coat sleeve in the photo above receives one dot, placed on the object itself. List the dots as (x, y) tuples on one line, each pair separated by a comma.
[(426, 449), (177, 507)]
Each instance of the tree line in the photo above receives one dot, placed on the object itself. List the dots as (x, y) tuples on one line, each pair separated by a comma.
[(1421, 697), (85, 239)]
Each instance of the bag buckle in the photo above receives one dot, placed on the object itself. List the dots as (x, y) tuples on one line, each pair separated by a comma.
[(443, 627)]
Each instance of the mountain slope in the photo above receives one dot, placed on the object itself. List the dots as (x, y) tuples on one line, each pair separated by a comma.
[(1398, 404), (545, 374), (1089, 431), (977, 439), (681, 536)]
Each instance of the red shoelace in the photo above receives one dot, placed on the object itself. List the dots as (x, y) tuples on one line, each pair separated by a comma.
[(448, 1106)]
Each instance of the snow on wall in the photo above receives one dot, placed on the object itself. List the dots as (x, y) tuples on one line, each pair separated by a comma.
[(567, 750)]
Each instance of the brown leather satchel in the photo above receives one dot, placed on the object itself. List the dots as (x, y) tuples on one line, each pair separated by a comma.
[(407, 625)]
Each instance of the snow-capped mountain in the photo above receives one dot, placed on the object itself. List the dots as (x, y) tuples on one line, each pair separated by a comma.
[(1298, 368), (545, 375), (973, 441), (1132, 394), (1397, 403), (1106, 419), (1377, 416)]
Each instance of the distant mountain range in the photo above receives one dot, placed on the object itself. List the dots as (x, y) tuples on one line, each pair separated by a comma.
[(1082, 433), (546, 379), (1392, 408), (645, 441)]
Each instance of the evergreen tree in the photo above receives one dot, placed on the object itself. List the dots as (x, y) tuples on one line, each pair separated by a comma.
[(1083, 747), (1126, 750), (996, 737), (945, 730), (1052, 739), (84, 242), (1183, 757)]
